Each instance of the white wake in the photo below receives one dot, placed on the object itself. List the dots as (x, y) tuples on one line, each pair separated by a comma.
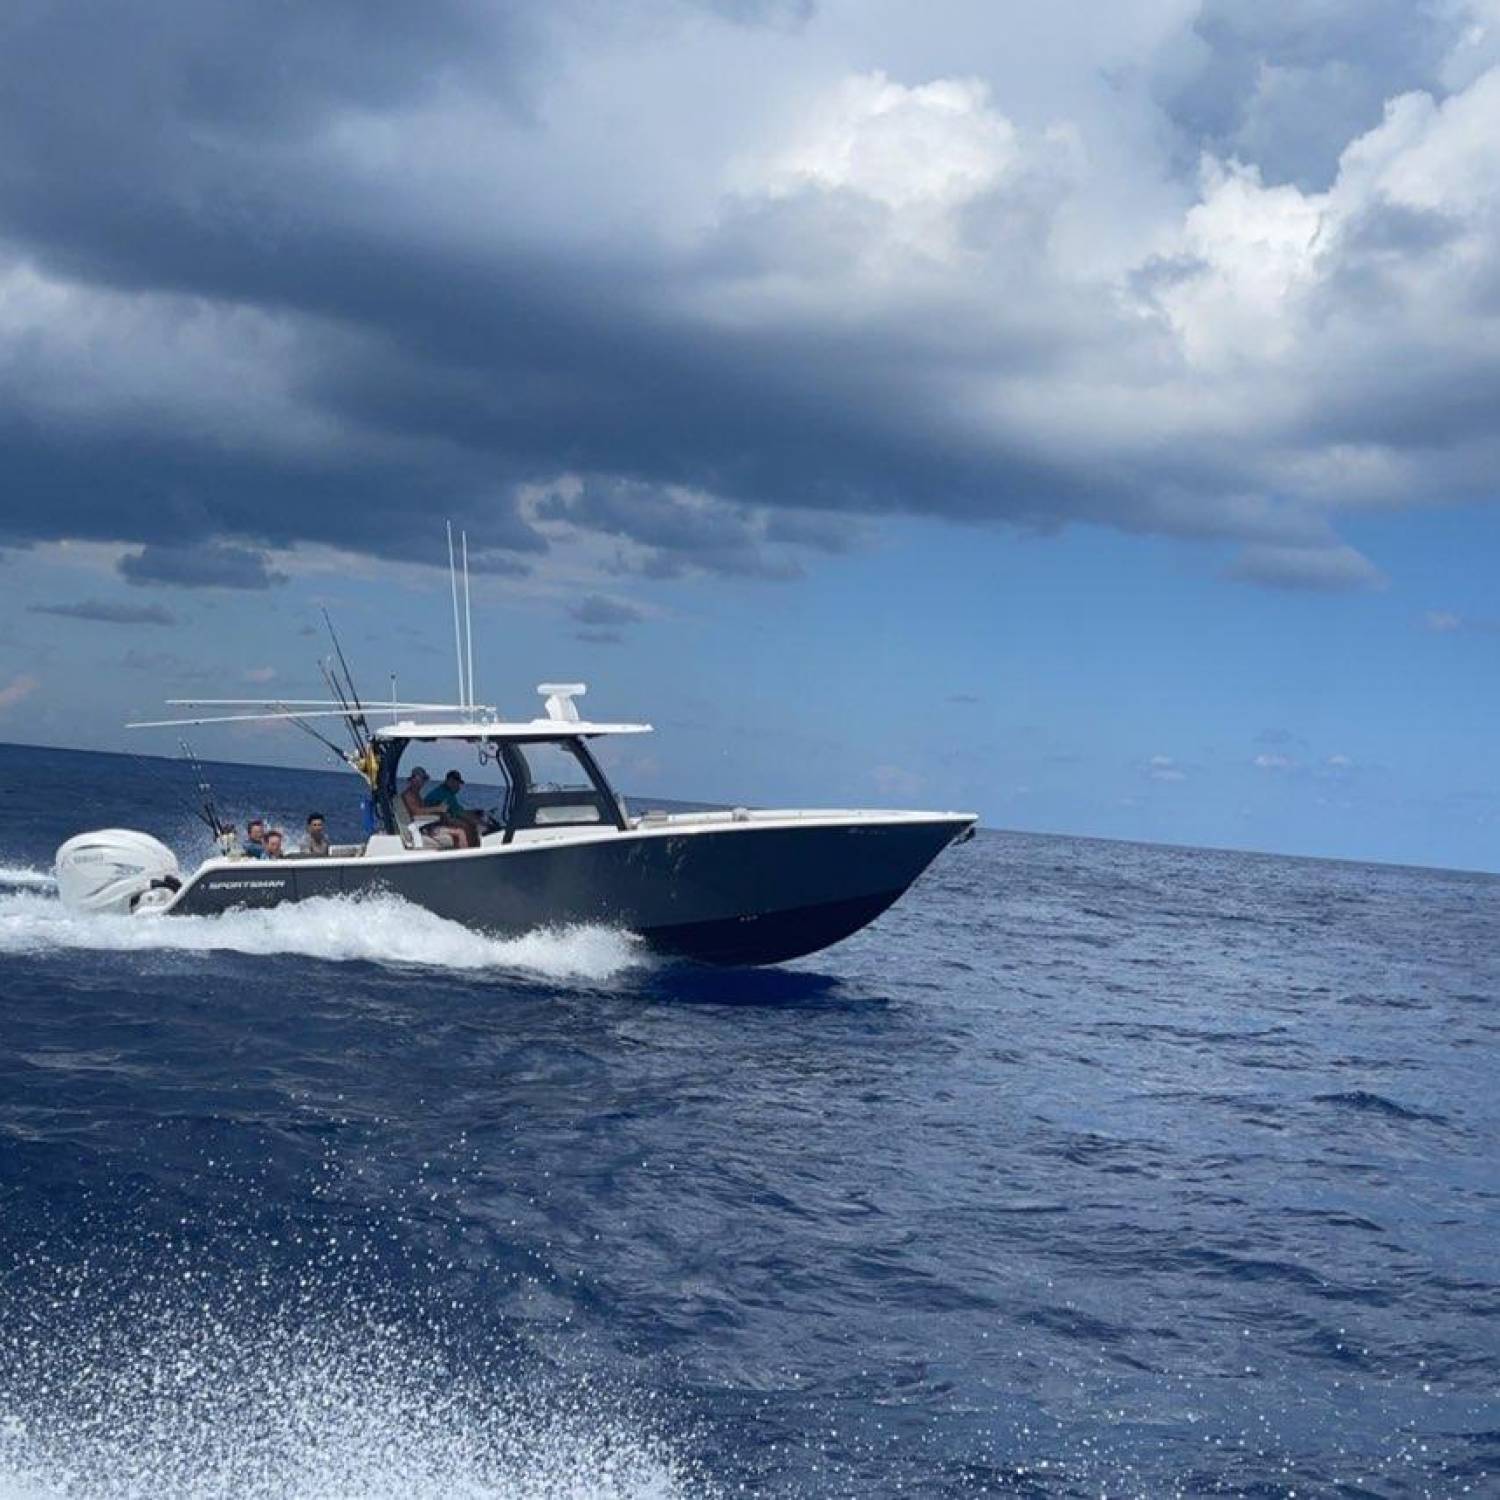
[(378, 929)]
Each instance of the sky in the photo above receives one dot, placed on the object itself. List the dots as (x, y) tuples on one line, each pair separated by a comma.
[(1088, 416)]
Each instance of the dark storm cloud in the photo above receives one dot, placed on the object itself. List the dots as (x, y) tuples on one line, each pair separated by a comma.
[(600, 609), (108, 614), (206, 566), (256, 69), (397, 344), (493, 371)]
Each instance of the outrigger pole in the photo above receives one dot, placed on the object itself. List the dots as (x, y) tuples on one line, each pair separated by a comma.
[(458, 644), (468, 624), (463, 634)]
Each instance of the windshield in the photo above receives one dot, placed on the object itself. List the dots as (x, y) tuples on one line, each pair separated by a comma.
[(556, 784), (544, 783), (553, 767)]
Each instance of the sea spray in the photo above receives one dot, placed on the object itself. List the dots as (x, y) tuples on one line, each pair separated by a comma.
[(250, 1352), (184, 1393), (373, 929)]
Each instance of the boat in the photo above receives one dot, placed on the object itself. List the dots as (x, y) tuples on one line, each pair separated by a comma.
[(559, 848)]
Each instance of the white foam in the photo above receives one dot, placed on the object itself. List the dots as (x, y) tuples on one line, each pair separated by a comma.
[(299, 1418), (374, 929), (23, 878)]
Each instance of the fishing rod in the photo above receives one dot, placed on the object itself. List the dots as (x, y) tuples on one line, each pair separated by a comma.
[(346, 710), (208, 810), (365, 759), (353, 692), (340, 754)]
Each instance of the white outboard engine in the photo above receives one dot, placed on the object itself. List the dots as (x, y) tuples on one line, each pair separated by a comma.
[(116, 870)]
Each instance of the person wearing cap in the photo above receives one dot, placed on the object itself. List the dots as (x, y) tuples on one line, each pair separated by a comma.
[(411, 793), (455, 816)]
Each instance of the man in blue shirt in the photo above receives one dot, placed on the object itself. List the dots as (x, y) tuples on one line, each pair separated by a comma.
[(455, 815), (255, 838)]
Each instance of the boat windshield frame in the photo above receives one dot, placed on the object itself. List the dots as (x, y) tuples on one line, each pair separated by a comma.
[(526, 804)]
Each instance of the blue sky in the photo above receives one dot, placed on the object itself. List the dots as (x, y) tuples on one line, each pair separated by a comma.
[(1086, 683), (1086, 418)]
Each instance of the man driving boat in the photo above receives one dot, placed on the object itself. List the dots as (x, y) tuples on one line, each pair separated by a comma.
[(455, 816)]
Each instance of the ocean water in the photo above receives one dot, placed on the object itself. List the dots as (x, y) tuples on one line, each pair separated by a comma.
[(1091, 1169)]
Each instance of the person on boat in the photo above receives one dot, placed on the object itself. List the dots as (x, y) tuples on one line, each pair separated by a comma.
[(275, 844), (455, 815), (255, 838), (316, 843), (411, 793), (412, 799)]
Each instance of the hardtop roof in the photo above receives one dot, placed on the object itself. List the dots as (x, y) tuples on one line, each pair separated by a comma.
[(500, 729)]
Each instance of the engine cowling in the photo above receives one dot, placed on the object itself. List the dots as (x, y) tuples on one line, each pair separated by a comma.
[(112, 869)]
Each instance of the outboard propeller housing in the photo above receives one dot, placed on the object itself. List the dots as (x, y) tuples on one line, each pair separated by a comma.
[(116, 870)]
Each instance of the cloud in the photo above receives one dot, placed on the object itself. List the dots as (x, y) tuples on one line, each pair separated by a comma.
[(823, 533), (17, 689), (1211, 271), (1445, 622), (108, 614), (670, 528), (1334, 568), (1289, 88), (599, 609), (1164, 768), (1273, 761), (204, 566)]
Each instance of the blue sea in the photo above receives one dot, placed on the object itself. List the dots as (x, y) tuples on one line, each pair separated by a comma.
[(1092, 1169)]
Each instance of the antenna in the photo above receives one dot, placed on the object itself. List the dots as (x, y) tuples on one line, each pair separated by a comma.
[(458, 645), (468, 624)]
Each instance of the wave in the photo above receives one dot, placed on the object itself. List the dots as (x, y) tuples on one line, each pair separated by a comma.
[(1377, 1104), (380, 929), (23, 878)]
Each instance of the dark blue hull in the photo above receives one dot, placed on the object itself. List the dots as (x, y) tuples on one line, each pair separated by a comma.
[(732, 894)]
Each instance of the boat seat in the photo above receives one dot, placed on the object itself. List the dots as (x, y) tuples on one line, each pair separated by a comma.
[(413, 830)]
